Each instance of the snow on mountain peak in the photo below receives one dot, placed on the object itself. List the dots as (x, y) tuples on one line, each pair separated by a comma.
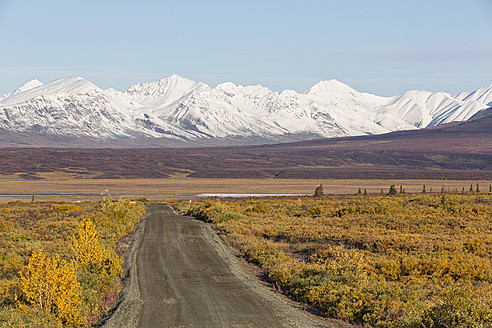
[(176, 107), (482, 95), (289, 93), (226, 86), (63, 86), (164, 86), (25, 87), (330, 86), (176, 80), (28, 86), (71, 85), (165, 91)]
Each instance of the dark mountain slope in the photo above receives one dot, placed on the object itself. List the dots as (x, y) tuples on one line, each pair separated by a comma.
[(457, 151)]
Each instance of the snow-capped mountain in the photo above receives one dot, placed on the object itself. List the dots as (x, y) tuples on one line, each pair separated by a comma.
[(179, 109), (28, 86)]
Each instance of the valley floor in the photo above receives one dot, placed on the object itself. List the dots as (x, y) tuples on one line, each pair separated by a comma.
[(190, 187)]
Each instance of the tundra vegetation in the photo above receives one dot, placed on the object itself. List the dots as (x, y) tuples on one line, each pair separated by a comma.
[(401, 260), (60, 263)]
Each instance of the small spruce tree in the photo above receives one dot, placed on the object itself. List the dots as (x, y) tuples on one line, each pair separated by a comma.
[(318, 192), (490, 188), (365, 192), (442, 190), (423, 189), (478, 190), (401, 189), (359, 191), (471, 187), (382, 191), (392, 190)]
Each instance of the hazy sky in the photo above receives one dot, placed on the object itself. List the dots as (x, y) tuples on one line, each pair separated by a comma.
[(383, 47)]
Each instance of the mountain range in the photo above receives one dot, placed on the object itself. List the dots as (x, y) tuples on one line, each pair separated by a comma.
[(175, 111), (458, 150)]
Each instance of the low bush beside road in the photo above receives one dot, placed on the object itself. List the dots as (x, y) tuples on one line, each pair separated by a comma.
[(60, 262), (407, 260)]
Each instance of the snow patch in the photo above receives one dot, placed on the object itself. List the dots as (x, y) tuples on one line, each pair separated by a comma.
[(179, 108)]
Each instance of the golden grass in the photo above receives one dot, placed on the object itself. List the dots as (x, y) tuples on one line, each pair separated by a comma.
[(191, 186)]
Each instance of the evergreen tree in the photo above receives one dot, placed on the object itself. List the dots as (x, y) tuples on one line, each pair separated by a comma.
[(359, 191), (478, 190), (471, 187), (318, 192), (490, 188), (365, 192), (392, 190), (423, 189), (401, 189), (442, 190)]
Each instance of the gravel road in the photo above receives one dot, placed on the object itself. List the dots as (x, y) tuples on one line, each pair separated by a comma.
[(181, 274)]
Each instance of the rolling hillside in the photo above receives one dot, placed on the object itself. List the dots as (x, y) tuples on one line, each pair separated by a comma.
[(456, 151)]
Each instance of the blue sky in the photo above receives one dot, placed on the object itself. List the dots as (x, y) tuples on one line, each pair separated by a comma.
[(379, 46)]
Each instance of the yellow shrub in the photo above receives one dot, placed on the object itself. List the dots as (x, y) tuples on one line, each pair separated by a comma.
[(51, 285), (42, 299), (89, 250), (8, 288), (340, 261), (6, 226), (28, 317), (118, 209), (86, 247), (66, 207)]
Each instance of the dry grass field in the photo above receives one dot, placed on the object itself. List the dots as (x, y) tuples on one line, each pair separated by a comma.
[(163, 188)]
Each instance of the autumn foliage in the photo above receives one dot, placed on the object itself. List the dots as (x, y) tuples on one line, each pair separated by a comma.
[(59, 262), (51, 285), (90, 252), (405, 260)]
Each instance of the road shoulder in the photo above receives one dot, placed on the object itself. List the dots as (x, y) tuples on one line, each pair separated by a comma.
[(126, 312)]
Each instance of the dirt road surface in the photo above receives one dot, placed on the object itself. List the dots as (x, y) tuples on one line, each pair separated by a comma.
[(187, 277)]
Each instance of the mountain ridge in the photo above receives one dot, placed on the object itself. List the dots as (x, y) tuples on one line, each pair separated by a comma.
[(458, 150), (178, 111)]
